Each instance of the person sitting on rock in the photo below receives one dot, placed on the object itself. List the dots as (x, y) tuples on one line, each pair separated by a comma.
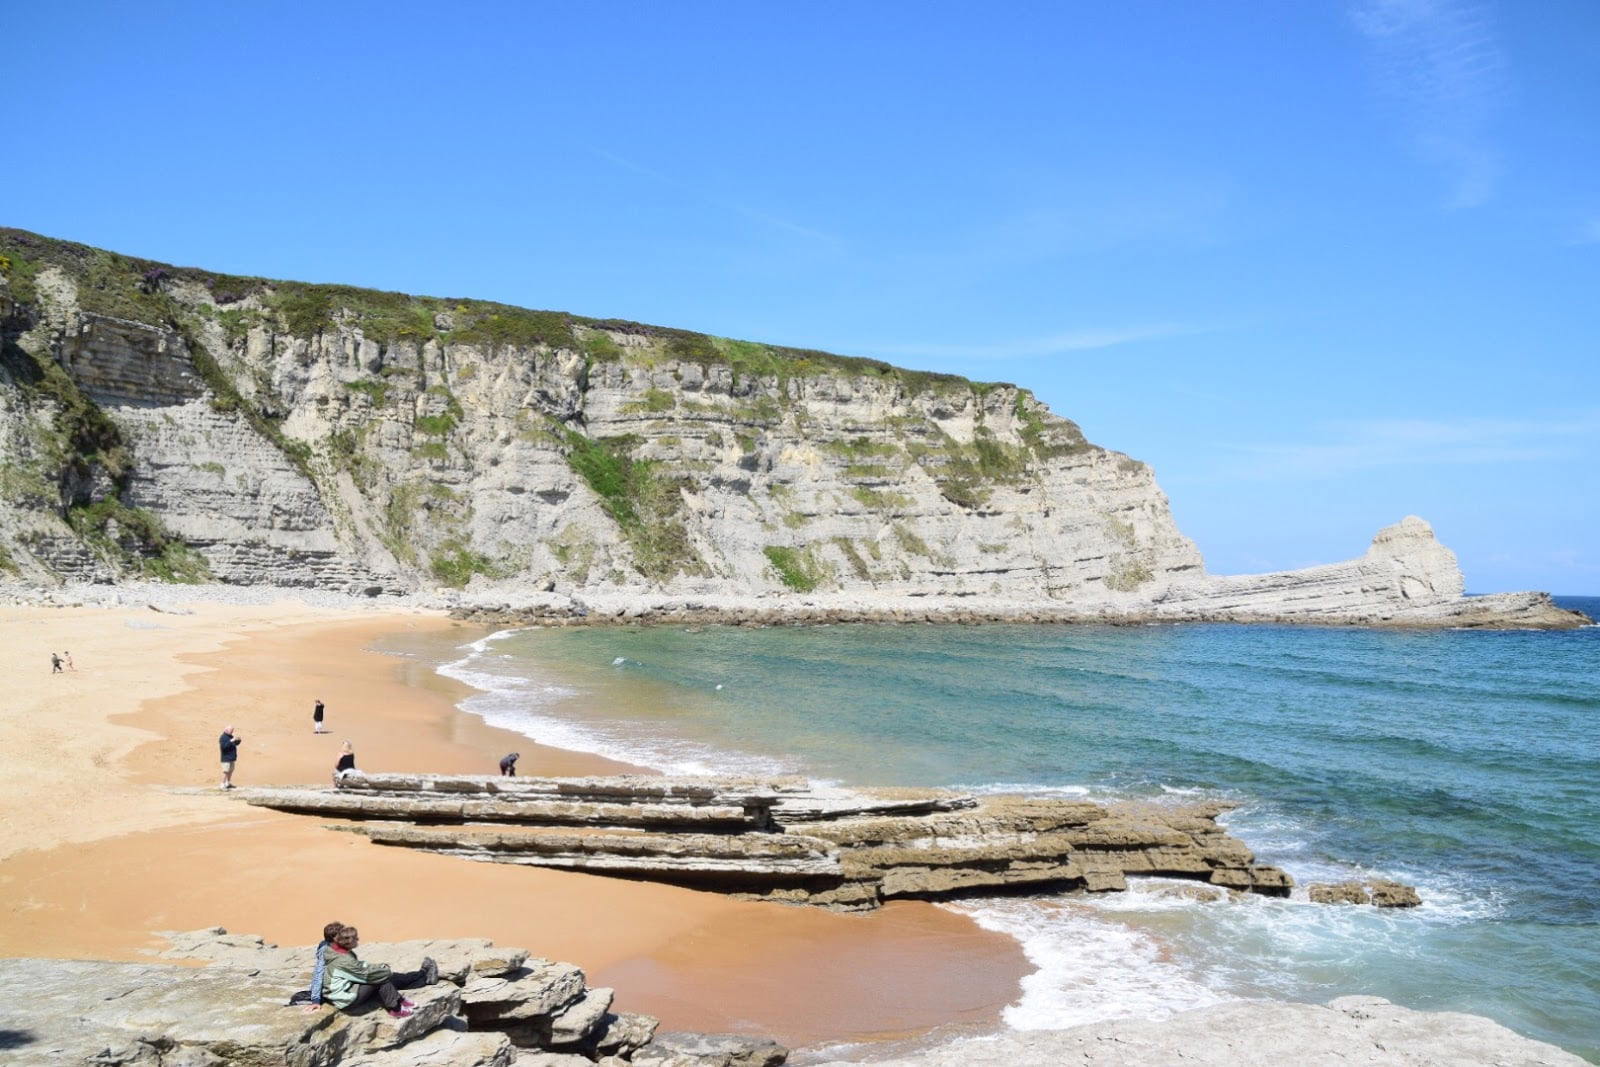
[(319, 973), (346, 764), (348, 983)]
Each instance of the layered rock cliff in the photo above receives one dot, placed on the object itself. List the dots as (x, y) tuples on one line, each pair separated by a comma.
[(175, 423)]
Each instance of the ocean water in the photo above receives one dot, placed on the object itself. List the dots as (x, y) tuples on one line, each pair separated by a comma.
[(1465, 763)]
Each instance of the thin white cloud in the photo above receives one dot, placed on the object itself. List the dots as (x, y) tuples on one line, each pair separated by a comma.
[(1036, 347), (1440, 62), (1347, 447), (1588, 232), (697, 193)]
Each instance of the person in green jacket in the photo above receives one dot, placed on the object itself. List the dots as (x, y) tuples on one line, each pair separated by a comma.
[(348, 983)]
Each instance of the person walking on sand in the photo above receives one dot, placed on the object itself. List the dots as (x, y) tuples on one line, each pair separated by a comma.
[(316, 719), (55, 663), (66, 658), (346, 765), (348, 983), (229, 744), (508, 764)]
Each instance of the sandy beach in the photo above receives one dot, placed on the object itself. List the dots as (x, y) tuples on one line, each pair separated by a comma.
[(115, 829)]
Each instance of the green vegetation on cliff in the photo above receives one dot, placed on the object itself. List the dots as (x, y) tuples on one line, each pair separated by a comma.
[(640, 497), (141, 289)]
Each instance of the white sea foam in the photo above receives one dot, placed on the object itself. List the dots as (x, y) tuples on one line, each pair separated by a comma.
[(1090, 967), (511, 700)]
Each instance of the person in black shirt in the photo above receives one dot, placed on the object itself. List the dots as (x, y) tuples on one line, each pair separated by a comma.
[(316, 719), (346, 764), (55, 663), (508, 764), (229, 744)]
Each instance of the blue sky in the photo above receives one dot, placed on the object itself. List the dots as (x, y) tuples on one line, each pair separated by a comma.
[(1321, 264)]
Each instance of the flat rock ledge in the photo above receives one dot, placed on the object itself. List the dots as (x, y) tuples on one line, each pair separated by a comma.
[(1348, 1032), (492, 1007), (788, 840)]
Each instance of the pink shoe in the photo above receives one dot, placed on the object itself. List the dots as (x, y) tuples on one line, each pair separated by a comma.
[(400, 1013)]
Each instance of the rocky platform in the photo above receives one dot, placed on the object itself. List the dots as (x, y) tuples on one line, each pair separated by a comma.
[(492, 1007), (787, 840), (1348, 1032)]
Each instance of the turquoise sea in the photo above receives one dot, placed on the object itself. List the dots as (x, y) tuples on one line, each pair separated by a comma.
[(1463, 762)]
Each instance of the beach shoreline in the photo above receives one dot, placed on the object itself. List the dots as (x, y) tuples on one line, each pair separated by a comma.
[(148, 843)]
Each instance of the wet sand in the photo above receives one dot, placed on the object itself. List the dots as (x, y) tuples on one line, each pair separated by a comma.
[(121, 832)]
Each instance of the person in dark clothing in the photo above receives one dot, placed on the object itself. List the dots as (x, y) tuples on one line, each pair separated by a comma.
[(348, 983), (229, 744), (508, 764), (316, 719), (55, 663), (346, 764)]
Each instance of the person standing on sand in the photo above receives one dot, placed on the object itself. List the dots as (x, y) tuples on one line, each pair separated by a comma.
[(508, 764), (346, 764), (229, 744), (67, 658), (316, 719), (55, 663), (349, 983)]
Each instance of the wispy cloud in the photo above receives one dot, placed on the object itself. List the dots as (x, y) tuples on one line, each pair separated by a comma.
[(1440, 62), (1036, 347), (1588, 232), (696, 192), (1347, 447)]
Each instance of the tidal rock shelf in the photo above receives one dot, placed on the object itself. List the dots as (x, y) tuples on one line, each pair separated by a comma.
[(788, 840), (492, 1007)]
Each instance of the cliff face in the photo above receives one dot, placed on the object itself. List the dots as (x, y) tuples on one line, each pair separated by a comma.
[(176, 423)]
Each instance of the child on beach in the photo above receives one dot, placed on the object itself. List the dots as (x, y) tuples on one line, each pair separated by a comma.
[(55, 663), (346, 764), (66, 657), (316, 719), (508, 764), (348, 983)]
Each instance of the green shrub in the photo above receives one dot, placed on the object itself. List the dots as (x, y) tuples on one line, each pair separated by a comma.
[(797, 568)]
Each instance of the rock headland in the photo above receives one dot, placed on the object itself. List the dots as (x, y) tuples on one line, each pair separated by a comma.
[(183, 425)]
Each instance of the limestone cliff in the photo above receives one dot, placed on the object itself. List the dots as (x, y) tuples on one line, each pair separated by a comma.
[(176, 423)]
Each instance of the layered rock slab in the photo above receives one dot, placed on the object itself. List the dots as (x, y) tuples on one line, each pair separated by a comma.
[(825, 846)]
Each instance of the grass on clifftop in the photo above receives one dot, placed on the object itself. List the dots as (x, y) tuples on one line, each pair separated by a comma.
[(140, 289)]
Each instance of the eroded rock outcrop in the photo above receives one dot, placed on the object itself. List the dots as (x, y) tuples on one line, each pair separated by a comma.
[(492, 1007), (785, 840), (180, 424)]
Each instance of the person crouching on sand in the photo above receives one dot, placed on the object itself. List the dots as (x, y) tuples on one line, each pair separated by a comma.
[(348, 983), (508, 764), (346, 765)]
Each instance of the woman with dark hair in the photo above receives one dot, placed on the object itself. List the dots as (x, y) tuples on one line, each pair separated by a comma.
[(348, 983)]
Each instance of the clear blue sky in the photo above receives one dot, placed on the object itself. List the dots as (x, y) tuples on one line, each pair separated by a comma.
[(1321, 264)]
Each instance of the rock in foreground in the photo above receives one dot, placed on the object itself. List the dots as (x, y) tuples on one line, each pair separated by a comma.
[(492, 1007), (1348, 1032)]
